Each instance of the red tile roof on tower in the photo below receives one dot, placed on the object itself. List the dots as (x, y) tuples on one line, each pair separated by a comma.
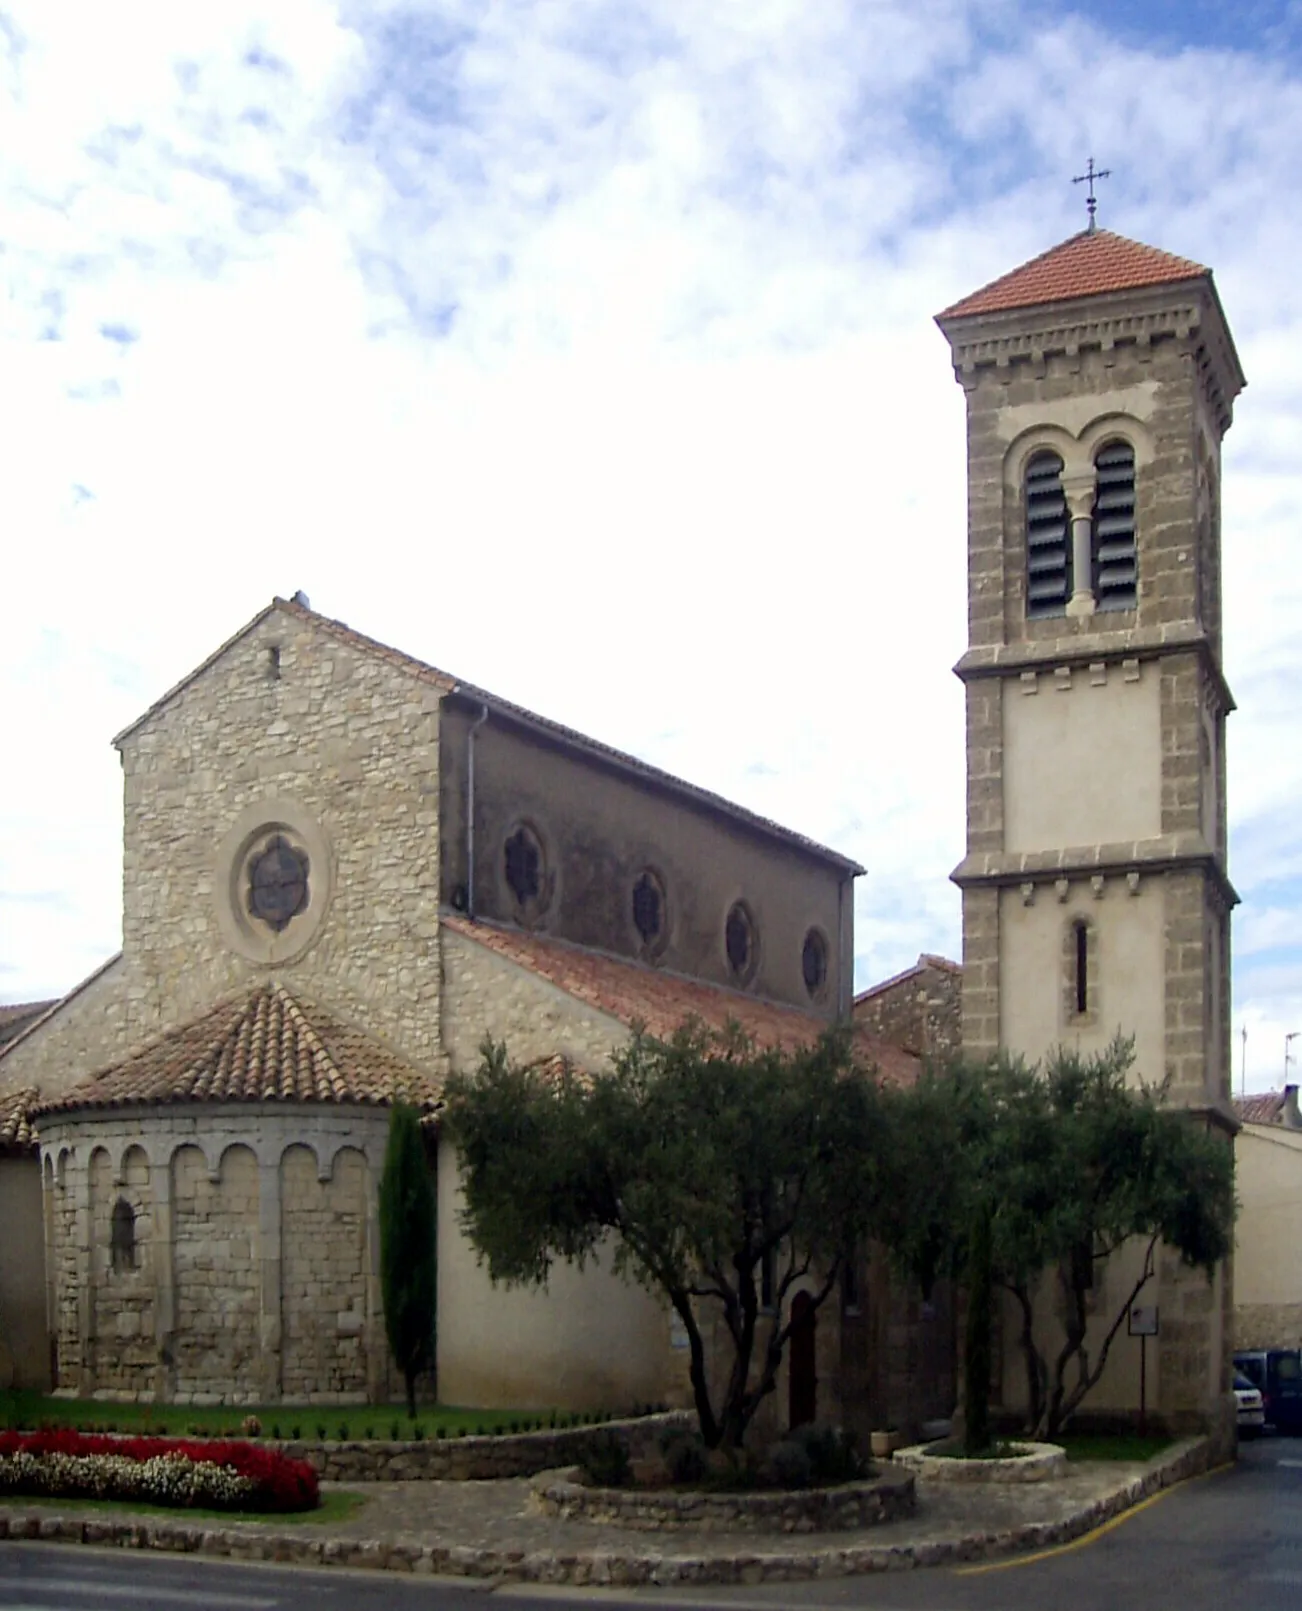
[(265, 1047), (631, 992), (1087, 264)]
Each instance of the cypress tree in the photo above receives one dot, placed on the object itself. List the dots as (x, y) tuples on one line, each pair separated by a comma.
[(407, 1249)]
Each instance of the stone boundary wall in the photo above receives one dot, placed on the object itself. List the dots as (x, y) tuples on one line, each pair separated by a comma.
[(245, 1542), (887, 1497), (476, 1459)]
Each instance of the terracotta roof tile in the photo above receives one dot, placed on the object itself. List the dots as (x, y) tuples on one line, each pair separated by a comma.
[(1266, 1107), (15, 1119), (265, 1047), (631, 992), (1085, 265)]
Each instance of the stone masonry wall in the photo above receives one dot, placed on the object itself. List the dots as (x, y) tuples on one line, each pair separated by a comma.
[(256, 1253), (921, 1010), (288, 724), (124, 1349), (217, 1287), (323, 1274), (88, 1031), (60, 1182), (485, 994)]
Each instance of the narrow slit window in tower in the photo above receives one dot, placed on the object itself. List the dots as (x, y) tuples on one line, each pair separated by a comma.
[(1048, 538), (1081, 936), (1116, 568)]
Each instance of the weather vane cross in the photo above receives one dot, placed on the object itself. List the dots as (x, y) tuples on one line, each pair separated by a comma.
[(1087, 178)]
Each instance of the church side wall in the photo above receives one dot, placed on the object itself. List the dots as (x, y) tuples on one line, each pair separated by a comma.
[(24, 1338), (292, 731), (600, 830), (588, 1341)]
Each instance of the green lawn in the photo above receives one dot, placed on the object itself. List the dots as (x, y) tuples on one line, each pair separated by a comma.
[(1114, 1446), (28, 1411), (337, 1504)]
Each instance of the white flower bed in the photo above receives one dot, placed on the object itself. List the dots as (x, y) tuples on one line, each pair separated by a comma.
[(162, 1480)]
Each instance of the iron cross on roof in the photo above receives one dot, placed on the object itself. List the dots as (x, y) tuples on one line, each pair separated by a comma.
[(1088, 177)]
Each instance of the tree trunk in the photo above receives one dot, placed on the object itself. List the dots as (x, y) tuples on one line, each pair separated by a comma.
[(976, 1353), (411, 1393)]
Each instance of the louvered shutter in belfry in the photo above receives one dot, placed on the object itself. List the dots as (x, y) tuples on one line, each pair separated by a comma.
[(1048, 538), (1116, 567)]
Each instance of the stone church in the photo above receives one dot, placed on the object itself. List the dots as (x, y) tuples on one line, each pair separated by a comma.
[(342, 868)]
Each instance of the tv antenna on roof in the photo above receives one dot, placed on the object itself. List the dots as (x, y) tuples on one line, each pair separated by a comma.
[(1087, 178)]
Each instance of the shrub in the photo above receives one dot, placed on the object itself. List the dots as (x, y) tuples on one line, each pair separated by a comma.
[(343, 1431), (275, 1429), (370, 1431), (605, 1461), (296, 1432), (788, 1466), (320, 1432), (251, 1426), (165, 1471), (833, 1456), (684, 1453), (395, 1431)]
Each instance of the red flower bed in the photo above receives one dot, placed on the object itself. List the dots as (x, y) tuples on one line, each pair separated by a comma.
[(279, 1483)]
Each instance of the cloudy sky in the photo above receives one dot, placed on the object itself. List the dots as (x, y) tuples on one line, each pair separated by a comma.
[(584, 348)]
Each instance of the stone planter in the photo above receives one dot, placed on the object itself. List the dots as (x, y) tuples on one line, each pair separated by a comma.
[(847, 1507), (884, 1443), (1038, 1462)]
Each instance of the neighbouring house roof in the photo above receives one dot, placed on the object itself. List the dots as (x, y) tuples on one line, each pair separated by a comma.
[(47, 1009), (15, 1119), (1087, 264), (924, 964), (447, 684), (16, 1015), (633, 993), (264, 1047), (1270, 1107)]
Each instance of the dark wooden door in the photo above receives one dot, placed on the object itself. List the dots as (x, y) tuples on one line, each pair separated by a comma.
[(802, 1374)]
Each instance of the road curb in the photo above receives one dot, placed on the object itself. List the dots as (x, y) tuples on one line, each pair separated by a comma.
[(622, 1568)]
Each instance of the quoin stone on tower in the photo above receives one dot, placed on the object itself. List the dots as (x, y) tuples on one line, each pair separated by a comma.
[(1100, 379)]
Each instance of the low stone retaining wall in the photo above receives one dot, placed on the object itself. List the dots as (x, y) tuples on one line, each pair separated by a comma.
[(477, 1459), (847, 1507), (654, 1566), (1040, 1462)]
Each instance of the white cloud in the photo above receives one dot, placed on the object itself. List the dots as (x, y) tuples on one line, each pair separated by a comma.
[(586, 349)]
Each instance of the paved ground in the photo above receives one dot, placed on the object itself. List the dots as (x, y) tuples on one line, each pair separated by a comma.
[(496, 1515), (1231, 1539)]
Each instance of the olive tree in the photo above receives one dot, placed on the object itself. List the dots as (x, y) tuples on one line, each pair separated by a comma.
[(695, 1162)]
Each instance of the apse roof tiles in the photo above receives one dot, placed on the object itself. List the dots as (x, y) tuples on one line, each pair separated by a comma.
[(631, 992), (1087, 264), (15, 1119), (265, 1047)]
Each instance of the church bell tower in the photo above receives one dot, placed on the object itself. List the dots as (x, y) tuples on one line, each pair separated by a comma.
[(1099, 380)]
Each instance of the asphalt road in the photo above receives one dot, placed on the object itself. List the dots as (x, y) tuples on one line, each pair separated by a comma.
[(1229, 1540)]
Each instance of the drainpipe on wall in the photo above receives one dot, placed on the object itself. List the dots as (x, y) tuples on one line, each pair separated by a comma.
[(843, 1008), (470, 809)]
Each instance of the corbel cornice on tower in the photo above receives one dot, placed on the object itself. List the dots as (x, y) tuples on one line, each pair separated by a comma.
[(1187, 312)]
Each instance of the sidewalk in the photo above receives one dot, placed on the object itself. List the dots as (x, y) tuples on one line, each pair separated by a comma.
[(486, 1530)]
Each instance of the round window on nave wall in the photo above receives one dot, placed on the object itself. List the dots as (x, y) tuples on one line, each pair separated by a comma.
[(741, 943), (650, 912), (813, 963)]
